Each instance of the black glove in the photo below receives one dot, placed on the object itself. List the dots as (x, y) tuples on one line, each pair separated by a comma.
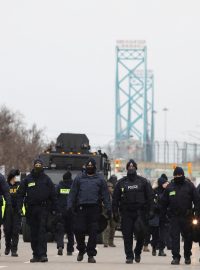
[(116, 216), (108, 214), (151, 214)]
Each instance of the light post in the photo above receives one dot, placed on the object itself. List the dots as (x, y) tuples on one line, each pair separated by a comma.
[(165, 133), (165, 123)]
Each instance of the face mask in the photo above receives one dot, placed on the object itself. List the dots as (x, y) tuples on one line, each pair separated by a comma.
[(38, 169), (179, 179), (90, 170), (131, 171)]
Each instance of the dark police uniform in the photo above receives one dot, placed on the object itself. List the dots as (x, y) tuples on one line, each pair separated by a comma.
[(40, 197), (156, 225), (4, 192), (178, 198), (65, 222), (12, 224), (85, 197), (134, 199)]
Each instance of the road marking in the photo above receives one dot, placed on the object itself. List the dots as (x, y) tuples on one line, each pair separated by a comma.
[(2, 266)]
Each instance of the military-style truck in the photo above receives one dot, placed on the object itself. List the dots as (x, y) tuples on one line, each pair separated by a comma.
[(70, 152)]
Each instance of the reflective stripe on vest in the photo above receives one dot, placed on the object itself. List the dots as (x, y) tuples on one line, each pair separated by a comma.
[(3, 207), (31, 184), (64, 191)]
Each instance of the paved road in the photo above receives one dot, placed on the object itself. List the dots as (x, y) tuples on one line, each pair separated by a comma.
[(107, 259)]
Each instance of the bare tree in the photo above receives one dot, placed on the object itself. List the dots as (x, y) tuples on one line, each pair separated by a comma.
[(18, 145)]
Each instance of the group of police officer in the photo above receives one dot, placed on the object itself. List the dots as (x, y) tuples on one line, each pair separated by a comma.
[(79, 203)]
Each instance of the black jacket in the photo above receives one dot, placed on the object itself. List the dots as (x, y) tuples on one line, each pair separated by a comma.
[(62, 192), (13, 193), (89, 190), (179, 199), (37, 190), (133, 195), (4, 190)]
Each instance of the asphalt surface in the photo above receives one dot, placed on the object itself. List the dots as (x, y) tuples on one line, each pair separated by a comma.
[(107, 259)]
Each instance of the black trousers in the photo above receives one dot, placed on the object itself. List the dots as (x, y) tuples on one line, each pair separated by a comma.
[(180, 225), (128, 223), (12, 225), (86, 223), (65, 225), (158, 236), (37, 219), (155, 236)]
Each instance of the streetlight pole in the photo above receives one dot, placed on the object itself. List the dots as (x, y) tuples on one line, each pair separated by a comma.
[(165, 133), (165, 123)]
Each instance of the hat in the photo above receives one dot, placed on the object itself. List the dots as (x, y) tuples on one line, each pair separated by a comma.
[(131, 161), (92, 161), (38, 161), (178, 171), (67, 175), (161, 181), (12, 174), (164, 176)]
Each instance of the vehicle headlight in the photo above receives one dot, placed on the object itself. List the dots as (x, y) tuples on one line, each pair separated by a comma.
[(53, 165), (194, 221)]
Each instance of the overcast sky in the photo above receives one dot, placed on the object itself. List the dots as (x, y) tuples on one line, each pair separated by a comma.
[(57, 62)]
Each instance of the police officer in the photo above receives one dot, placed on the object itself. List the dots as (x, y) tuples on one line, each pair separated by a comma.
[(64, 224), (12, 224), (4, 193), (178, 197), (158, 226), (85, 198), (133, 196), (39, 193)]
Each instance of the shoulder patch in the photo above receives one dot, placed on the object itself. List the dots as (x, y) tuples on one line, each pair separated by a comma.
[(32, 184)]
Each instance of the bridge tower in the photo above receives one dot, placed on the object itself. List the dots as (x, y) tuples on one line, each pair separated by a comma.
[(134, 96)]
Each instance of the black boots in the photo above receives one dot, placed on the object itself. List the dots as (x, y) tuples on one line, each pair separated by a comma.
[(175, 261), (187, 260), (60, 251), (80, 257), (162, 253), (129, 261), (154, 251), (34, 259), (41, 259), (137, 258), (14, 254), (7, 251), (91, 259)]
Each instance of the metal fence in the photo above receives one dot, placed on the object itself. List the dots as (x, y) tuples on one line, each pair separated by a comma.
[(159, 152)]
